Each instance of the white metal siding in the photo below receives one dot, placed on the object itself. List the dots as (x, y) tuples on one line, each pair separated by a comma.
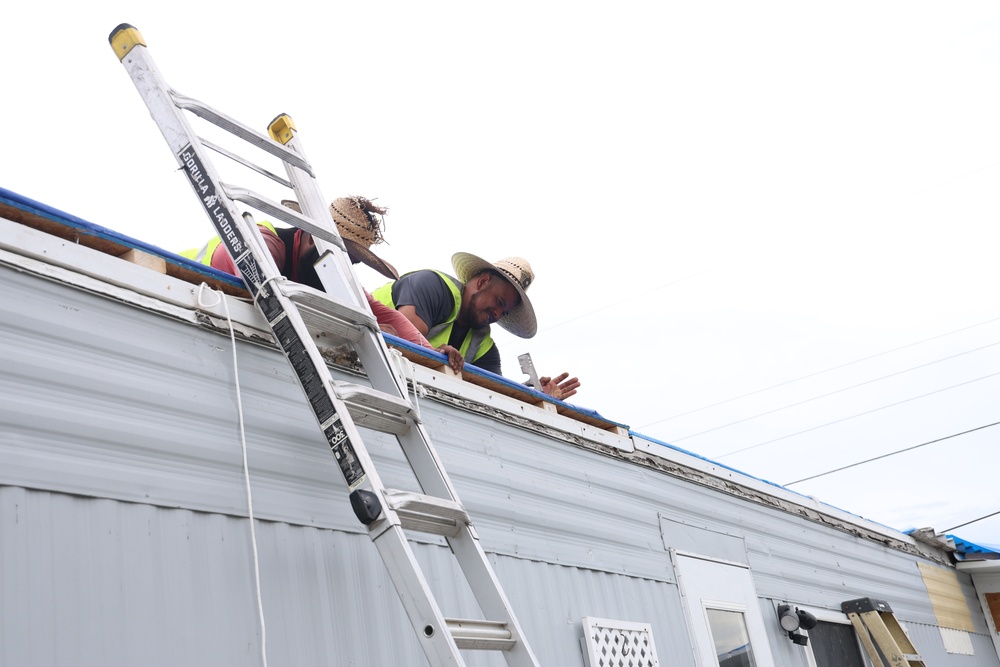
[(123, 541)]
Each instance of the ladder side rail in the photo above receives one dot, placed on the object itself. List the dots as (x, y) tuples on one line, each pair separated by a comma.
[(373, 353), (281, 314), (425, 463), (471, 556), (415, 443), (489, 593), (190, 155), (331, 413), (411, 586), (315, 206), (341, 433), (430, 473), (386, 532), (381, 370), (899, 634), (866, 640), (875, 623)]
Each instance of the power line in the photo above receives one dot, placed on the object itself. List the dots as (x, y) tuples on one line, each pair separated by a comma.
[(810, 375), (948, 530), (860, 414), (816, 398), (898, 451)]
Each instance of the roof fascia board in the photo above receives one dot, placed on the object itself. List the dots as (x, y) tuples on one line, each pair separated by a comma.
[(86, 268), (480, 399)]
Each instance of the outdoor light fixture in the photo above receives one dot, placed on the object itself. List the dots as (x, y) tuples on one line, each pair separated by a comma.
[(793, 620), (788, 619)]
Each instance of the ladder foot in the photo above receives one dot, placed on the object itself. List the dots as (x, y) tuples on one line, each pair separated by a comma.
[(366, 506)]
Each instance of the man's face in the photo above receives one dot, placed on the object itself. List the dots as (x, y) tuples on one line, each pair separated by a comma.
[(490, 302)]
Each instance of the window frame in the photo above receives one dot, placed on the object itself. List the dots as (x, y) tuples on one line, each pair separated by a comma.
[(831, 616)]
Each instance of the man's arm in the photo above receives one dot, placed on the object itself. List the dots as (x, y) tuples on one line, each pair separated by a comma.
[(223, 262), (423, 299), (559, 387), (392, 322), (410, 312)]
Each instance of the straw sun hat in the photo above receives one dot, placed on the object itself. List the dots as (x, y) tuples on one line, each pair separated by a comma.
[(516, 270), (359, 222)]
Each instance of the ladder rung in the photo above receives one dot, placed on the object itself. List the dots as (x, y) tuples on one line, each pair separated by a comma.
[(375, 409), (234, 127), (373, 398), (480, 635), (326, 314), (246, 163), (427, 514), (377, 421), (283, 213)]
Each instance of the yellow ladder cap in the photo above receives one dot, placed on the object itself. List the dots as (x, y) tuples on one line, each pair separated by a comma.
[(123, 38), (281, 128)]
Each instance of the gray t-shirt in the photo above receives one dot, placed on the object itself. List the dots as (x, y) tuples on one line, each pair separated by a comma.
[(427, 292)]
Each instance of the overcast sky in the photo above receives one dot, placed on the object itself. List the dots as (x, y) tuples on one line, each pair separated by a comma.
[(718, 199)]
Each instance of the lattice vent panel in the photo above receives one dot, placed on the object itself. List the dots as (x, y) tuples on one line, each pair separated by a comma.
[(611, 643)]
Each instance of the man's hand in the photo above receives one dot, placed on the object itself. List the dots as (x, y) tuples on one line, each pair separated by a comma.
[(455, 359), (559, 387)]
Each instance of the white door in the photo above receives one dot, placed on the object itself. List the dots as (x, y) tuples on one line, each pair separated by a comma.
[(724, 617)]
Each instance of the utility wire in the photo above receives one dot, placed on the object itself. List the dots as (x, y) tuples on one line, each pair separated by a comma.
[(816, 398), (860, 414), (948, 530), (810, 375), (898, 451)]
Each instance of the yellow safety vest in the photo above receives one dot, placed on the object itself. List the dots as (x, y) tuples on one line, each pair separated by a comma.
[(477, 341)]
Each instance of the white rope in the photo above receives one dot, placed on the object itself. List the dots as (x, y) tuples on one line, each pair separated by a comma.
[(246, 468), (276, 279)]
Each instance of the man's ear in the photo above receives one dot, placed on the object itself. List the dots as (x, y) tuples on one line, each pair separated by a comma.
[(482, 281)]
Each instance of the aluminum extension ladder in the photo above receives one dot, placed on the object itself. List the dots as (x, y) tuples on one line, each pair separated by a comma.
[(298, 317)]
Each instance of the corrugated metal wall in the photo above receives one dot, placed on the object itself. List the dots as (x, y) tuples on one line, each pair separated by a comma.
[(123, 541), (88, 581)]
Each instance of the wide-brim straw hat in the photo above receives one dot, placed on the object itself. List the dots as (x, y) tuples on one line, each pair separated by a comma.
[(359, 223), (516, 270)]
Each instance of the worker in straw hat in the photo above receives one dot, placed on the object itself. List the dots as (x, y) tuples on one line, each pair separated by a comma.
[(359, 222), (455, 314)]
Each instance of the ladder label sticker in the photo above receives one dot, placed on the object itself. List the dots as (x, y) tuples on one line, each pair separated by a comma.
[(274, 312), (211, 200), (340, 445), (317, 395), (250, 271)]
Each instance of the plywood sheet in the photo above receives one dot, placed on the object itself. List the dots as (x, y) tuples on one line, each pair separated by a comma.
[(950, 606)]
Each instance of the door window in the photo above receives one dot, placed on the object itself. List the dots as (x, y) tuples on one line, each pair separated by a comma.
[(732, 641), (724, 612)]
